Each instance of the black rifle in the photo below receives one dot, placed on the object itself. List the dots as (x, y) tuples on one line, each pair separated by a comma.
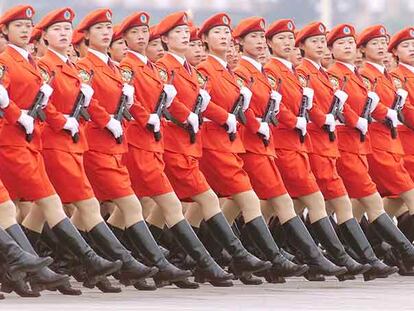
[(36, 111), (122, 111), (303, 112), (79, 109), (398, 106), (160, 109), (336, 112), (270, 114), (237, 110), (366, 112), (197, 110)]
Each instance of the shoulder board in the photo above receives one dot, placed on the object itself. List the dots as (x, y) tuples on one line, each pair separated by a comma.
[(84, 76), (272, 81), (302, 80), (397, 82), (163, 74), (334, 82), (367, 83), (127, 74), (45, 75)]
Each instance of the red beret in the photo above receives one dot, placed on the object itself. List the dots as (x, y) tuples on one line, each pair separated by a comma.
[(171, 21), (282, 25), (36, 34), (220, 19), (95, 17), (133, 20), (78, 36), (56, 16), (370, 33), (310, 30), (400, 36), (154, 34), (117, 34), (339, 32), (17, 12), (194, 34), (249, 25)]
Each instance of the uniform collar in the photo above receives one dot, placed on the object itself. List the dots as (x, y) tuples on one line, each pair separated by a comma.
[(21, 51), (285, 62), (222, 62), (254, 62), (180, 59), (409, 67), (103, 57), (379, 67), (317, 66), (141, 57), (62, 57), (349, 66)]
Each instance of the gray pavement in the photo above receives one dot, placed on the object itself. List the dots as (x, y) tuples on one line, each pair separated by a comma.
[(394, 293)]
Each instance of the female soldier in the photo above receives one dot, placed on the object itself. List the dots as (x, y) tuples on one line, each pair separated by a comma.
[(22, 167), (118, 48), (154, 49)]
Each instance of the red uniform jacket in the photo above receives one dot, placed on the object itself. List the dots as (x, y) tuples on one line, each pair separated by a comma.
[(380, 134)]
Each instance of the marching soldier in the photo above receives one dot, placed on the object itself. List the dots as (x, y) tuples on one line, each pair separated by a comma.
[(154, 49), (22, 167), (195, 52), (118, 48), (386, 165), (78, 42)]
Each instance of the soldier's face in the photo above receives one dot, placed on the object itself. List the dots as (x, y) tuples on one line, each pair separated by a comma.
[(19, 32), (344, 49), (295, 57), (100, 36), (405, 52), (282, 44), (218, 39), (137, 38), (254, 44), (118, 50), (59, 35), (314, 47), (194, 52), (375, 49), (154, 50), (178, 39)]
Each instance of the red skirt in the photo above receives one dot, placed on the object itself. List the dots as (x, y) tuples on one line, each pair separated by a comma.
[(23, 173), (409, 164), (146, 169), (296, 172), (264, 175), (108, 175), (185, 175), (327, 177), (388, 172), (67, 174), (224, 172), (354, 170)]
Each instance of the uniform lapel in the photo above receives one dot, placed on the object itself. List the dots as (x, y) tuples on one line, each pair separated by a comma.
[(19, 58)]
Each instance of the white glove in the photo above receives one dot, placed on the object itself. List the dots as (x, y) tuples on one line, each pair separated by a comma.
[(264, 130), (342, 98), (330, 121), (247, 95), (362, 125), (193, 121), (308, 92), (155, 121), (277, 97), (392, 115), (206, 99), (375, 100), (88, 91), (403, 93), (301, 124), (231, 123), (115, 127), (4, 97), (171, 92), (27, 122), (128, 91), (47, 90), (71, 125)]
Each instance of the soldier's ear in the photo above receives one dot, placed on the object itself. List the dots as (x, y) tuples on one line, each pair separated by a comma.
[(4, 30), (86, 34)]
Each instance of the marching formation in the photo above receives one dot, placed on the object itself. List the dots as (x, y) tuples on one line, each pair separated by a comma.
[(188, 154)]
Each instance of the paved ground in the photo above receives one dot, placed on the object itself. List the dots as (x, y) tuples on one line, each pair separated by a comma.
[(394, 293)]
